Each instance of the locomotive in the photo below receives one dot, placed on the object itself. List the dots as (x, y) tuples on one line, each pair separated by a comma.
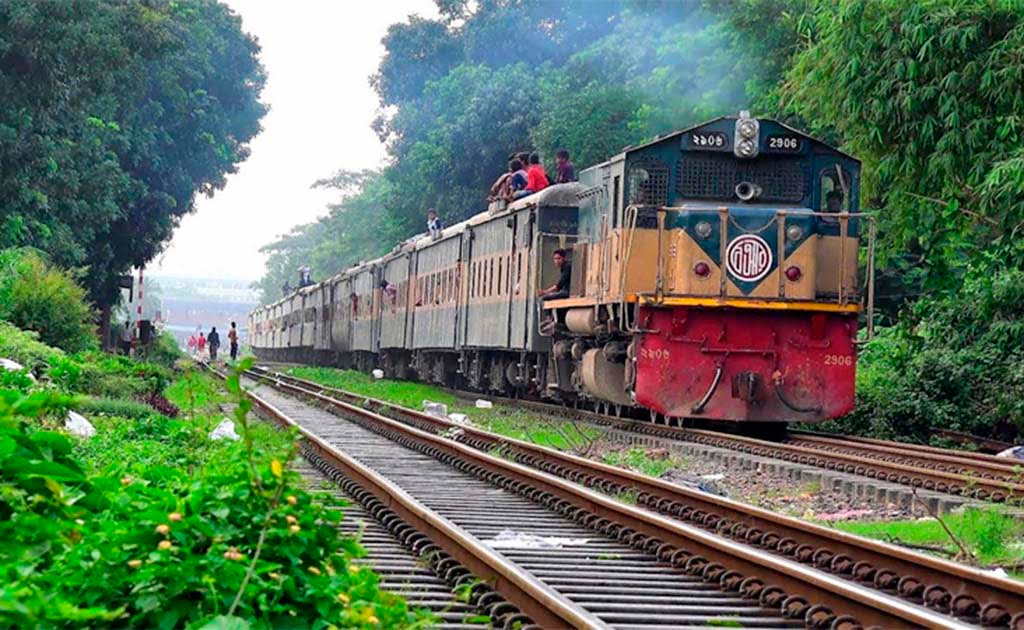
[(715, 275)]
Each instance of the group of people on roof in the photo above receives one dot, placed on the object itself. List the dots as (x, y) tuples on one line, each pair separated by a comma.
[(526, 176)]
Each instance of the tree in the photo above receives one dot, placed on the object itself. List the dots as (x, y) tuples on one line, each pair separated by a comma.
[(928, 94), (114, 116)]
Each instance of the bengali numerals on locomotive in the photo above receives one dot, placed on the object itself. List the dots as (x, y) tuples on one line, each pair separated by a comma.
[(709, 140), (654, 354)]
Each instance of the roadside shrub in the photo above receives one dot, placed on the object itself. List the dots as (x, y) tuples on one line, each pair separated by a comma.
[(35, 295), (24, 347), (953, 362), (116, 407), (150, 524), (164, 351)]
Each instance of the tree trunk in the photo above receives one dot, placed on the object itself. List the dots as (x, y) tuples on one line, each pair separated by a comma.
[(104, 324)]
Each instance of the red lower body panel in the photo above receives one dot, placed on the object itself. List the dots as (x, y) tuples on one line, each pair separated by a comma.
[(732, 364)]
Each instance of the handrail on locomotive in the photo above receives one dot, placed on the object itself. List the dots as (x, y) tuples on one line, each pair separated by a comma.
[(845, 295)]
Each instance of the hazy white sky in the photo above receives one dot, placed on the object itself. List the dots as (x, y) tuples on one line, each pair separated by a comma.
[(318, 55)]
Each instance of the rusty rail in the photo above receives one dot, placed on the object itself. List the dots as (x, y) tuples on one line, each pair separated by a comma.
[(944, 586)]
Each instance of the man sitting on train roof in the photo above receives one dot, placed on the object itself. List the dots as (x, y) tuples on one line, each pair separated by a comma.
[(537, 179), (559, 290), (434, 224), (518, 181), (565, 171), (500, 188)]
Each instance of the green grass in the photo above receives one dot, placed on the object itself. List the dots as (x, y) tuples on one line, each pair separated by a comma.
[(529, 426), (993, 537), (637, 458), (403, 393)]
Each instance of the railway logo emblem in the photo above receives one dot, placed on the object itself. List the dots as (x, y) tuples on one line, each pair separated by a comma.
[(748, 258)]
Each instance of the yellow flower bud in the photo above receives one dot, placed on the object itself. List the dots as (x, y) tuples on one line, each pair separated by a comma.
[(174, 517), (163, 529), (343, 598), (295, 529), (164, 544), (135, 564), (291, 500), (314, 570)]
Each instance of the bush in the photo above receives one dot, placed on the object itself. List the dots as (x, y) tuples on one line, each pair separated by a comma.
[(25, 348), (34, 295), (151, 524), (953, 362), (116, 407), (164, 351)]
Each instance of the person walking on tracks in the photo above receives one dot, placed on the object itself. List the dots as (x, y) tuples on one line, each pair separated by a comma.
[(233, 340), (214, 340)]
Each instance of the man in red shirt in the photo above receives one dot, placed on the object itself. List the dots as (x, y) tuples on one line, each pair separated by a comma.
[(536, 178)]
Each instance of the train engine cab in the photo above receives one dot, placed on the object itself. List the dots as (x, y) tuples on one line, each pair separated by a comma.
[(715, 276)]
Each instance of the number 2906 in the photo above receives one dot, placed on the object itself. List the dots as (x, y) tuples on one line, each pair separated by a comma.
[(845, 360)]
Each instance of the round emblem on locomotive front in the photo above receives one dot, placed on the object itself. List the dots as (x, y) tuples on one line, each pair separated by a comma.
[(748, 258)]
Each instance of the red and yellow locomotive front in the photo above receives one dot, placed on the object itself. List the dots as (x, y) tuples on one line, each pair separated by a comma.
[(718, 277)]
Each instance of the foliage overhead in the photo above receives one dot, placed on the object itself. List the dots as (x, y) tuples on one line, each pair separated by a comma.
[(115, 115), (929, 94)]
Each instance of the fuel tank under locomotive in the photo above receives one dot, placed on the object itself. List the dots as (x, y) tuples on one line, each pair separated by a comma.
[(745, 365)]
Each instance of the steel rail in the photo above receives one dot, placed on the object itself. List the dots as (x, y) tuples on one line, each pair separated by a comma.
[(969, 484), (981, 462), (545, 606), (942, 585)]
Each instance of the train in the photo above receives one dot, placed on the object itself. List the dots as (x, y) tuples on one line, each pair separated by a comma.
[(718, 273)]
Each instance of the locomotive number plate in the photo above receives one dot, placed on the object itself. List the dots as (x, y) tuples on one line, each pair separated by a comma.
[(783, 143), (708, 140)]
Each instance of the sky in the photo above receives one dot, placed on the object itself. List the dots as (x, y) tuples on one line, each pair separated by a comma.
[(318, 55)]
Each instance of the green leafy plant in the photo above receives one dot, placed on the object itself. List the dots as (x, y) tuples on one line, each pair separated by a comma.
[(151, 524)]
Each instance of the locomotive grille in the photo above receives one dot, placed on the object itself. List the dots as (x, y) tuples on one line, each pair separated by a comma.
[(648, 183), (716, 176)]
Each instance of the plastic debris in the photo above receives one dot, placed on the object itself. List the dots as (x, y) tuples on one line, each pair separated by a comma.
[(998, 572), (511, 539), (459, 418), (378, 374), (14, 366), (484, 404), (453, 433), (438, 410), (224, 430), (76, 424), (714, 477), (1014, 452), (11, 366)]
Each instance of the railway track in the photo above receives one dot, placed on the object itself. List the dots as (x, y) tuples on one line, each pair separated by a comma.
[(954, 593), (404, 564), (961, 473)]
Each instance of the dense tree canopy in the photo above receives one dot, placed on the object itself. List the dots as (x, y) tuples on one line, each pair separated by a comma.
[(113, 116)]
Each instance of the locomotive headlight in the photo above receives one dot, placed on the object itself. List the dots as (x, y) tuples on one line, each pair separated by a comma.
[(794, 232), (703, 229), (747, 130)]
